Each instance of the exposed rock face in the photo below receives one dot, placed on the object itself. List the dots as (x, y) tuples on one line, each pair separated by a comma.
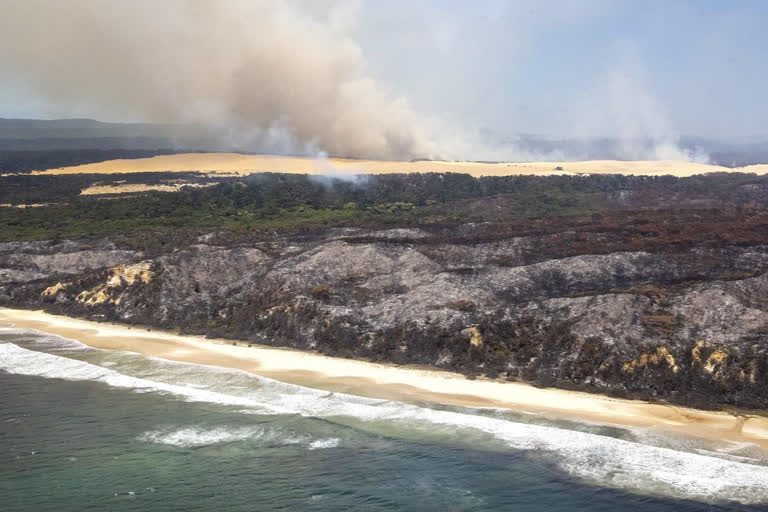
[(689, 325), (28, 261)]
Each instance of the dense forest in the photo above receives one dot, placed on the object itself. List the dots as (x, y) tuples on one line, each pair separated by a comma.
[(271, 200)]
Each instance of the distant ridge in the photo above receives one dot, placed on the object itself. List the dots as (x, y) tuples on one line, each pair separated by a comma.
[(25, 129), (90, 134)]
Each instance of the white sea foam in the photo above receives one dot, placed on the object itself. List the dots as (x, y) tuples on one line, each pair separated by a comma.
[(604, 460), (192, 437), (15, 359), (726, 456), (49, 341), (320, 444)]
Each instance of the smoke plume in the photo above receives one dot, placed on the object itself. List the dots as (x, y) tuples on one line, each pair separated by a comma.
[(281, 76), (622, 105), (286, 77)]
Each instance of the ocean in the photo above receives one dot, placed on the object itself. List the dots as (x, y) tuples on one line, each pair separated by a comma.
[(83, 429)]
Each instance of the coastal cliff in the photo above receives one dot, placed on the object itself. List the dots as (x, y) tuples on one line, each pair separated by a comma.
[(573, 304)]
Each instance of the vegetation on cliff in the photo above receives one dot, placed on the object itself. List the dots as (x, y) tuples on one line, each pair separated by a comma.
[(634, 286)]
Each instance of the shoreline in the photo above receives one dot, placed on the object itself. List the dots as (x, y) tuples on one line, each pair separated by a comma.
[(402, 383)]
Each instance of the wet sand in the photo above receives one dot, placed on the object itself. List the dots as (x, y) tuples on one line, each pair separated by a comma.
[(240, 164), (403, 383)]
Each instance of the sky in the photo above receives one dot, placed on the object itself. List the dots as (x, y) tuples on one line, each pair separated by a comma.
[(455, 69), (538, 67)]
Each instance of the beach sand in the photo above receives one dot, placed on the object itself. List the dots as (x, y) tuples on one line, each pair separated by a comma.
[(403, 383), (240, 164)]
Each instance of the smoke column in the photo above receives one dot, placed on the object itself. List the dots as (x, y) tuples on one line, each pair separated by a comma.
[(275, 76), (275, 72)]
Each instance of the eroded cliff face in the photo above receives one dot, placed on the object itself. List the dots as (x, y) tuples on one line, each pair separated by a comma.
[(689, 324), (22, 262)]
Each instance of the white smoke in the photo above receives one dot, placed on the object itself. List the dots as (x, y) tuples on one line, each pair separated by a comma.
[(325, 172), (295, 79), (622, 106), (277, 77)]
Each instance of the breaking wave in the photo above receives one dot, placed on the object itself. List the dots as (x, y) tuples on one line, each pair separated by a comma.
[(193, 437), (590, 457)]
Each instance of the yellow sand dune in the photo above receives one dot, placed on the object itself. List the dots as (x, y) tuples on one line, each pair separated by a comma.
[(233, 163), (132, 188)]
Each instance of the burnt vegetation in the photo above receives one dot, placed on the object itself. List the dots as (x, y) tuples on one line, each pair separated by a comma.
[(651, 287)]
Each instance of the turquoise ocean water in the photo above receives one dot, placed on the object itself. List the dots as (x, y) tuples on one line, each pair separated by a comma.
[(94, 430)]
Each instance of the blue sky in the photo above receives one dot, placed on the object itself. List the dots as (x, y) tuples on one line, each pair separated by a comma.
[(534, 66), (569, 67)]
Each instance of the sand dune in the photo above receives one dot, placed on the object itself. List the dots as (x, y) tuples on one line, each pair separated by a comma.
[(233, 163), (403, 383), (132, 188)]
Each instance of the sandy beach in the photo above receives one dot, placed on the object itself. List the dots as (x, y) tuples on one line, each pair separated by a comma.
[(240, 164), (404, 383)]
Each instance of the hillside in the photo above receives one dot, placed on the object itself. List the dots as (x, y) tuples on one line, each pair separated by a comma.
[(649, 287)]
